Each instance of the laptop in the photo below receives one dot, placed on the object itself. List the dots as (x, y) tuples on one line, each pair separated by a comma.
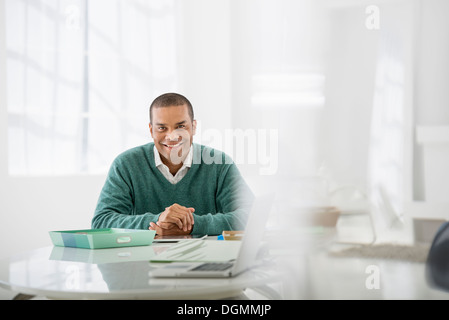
[(246, 257)]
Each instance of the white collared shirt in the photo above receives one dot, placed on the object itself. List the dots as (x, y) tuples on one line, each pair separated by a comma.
[(174, 179)]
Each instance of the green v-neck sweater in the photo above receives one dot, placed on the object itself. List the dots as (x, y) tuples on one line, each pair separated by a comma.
[(136, 192)]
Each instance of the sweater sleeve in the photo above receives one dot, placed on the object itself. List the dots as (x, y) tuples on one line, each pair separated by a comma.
[(115, 204), (233, 200)]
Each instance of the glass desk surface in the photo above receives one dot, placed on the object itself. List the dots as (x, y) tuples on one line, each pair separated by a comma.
[(116, 273)]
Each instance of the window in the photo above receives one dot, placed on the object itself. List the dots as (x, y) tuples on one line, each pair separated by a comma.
[(80, 77)]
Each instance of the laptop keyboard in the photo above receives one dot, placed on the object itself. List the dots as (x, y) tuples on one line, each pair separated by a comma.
[(213, 266)]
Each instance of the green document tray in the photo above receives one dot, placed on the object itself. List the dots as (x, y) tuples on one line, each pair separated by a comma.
[(102, 238)]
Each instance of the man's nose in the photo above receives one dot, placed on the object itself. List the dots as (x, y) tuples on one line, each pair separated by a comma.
[(173, 136)]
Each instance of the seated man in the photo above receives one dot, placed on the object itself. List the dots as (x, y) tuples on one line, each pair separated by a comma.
[(173, 186)]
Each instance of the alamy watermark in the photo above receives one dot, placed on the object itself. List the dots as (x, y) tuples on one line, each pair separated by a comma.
[(372, 281), (72, 281), (372, 21), (251, 146)]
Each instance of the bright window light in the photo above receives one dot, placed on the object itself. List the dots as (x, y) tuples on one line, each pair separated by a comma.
[(80, 77)]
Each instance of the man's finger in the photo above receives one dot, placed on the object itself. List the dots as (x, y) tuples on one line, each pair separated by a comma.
[(177, 211), (188, 213), (170, 216)]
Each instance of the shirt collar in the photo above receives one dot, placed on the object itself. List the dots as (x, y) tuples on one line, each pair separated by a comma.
[(187, 161)]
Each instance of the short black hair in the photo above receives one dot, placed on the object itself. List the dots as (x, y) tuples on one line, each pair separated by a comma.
[(171, 99)]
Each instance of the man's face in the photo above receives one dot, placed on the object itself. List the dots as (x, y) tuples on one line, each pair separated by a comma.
[(172, 131)]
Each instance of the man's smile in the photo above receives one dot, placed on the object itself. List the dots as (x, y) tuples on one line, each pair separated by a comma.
[(172, 146)]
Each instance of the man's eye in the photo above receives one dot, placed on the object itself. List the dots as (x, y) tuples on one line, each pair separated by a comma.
[(181, 126), (161, 128)]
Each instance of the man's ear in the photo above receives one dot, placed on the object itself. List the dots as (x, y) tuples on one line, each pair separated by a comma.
[(151, 129), (194, 126)]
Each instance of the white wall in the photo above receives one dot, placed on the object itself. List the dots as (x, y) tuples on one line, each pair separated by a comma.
[(32, 206), (352, 59), (432, 64), (204, 61), (338, 136), (432, 78), (279, 38), (350, 76)]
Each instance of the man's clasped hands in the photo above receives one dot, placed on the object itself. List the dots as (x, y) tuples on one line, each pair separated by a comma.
[(174, 220)]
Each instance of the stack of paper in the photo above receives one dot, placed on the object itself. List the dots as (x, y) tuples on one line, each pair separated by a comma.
[(200, 251)]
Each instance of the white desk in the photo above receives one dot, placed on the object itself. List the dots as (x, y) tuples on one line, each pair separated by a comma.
[(317, 274), (123, 273), (346, 278), (118, 273)]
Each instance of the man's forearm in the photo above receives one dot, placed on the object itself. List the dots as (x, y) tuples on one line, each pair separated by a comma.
[(111, 219), (215, 224)]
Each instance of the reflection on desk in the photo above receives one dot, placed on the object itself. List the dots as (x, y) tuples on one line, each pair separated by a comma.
[(111, 255)]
